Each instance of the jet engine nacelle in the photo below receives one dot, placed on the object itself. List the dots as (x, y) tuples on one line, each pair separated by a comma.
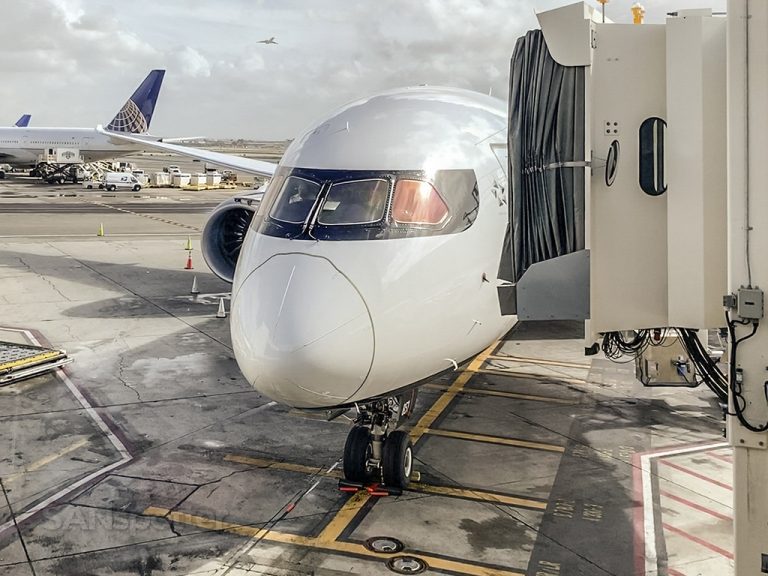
[(224, 233)]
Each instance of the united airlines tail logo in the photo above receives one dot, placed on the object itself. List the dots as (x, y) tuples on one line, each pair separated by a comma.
[(129, 119)]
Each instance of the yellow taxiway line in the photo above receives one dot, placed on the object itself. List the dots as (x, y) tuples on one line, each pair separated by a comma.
[(504, 394), (541, 361), (464, 493), (326, 541), (47, 460), (458, 384), (555, 377), (495, 440)]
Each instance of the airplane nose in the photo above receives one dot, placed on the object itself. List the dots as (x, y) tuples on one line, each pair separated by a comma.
[(301, 332)]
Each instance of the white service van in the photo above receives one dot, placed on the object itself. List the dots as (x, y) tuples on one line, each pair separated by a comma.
[(114, 180)]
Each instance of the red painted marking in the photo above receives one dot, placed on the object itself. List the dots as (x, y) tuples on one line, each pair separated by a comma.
[(699, 541), (290, 507), (638, 521), (722, 457), (673, 572), (695, 474), (695, 506), (348, 489)]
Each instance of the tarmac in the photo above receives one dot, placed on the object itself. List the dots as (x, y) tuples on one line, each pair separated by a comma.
[(150, 454)]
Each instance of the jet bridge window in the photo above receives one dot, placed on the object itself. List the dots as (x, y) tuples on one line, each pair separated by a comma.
[(355, 202), (296, 200)]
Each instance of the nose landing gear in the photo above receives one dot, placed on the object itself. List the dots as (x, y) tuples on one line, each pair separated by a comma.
[(375, 451)]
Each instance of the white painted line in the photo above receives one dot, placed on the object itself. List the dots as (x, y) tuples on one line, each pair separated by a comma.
[(649, 527), (125, 455)]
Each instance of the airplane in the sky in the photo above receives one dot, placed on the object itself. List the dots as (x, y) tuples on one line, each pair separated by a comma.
[(268, 41), (23, 122), (26, 147), (371, 264)]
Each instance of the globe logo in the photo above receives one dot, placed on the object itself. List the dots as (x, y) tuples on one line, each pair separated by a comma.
[(129, 119)]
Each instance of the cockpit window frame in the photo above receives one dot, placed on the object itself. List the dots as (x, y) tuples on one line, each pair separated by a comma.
[(460, 195), (329, 188), (320, 185)]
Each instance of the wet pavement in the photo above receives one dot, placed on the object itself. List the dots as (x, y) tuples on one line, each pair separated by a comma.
[(151, 455)]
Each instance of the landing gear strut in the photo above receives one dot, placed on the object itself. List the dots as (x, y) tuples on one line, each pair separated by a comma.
[(375, 451)]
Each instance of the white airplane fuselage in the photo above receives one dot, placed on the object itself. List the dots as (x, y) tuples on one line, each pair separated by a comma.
[(23, 146), (329, 322)]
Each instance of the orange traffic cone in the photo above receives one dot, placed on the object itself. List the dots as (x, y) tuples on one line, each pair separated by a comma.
[(189, 261)]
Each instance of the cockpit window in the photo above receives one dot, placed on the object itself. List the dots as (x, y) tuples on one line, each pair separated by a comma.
[(355, 202), (322, 204), (296, 200), (417, 202)]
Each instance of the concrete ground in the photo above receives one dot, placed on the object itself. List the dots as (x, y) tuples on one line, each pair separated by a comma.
[(151, 455)]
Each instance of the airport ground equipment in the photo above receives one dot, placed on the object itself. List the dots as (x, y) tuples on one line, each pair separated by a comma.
[(637, 168), (21, 361), (59, 165)]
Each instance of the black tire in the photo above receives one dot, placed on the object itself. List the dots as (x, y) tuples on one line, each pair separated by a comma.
[(357, 450), (136, 188), (397, 460), (111, 188)]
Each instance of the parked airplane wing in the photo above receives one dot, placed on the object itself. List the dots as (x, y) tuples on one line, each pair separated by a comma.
[(248, 165)]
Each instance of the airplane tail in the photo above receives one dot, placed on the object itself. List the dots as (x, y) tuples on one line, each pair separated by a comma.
[(136, 113), (23, 122)]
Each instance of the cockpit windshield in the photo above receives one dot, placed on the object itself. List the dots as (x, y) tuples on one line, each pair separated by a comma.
[(355, 202), (296, 200), (317, 204)]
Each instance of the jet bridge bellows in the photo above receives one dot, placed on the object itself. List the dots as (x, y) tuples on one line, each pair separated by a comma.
[(546, 155), (549, 265)]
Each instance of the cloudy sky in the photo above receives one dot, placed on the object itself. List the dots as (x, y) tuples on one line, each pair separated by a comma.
[(74, 62)]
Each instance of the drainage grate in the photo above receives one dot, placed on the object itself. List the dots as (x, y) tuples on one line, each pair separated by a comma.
[(407, 565), (384, 545)]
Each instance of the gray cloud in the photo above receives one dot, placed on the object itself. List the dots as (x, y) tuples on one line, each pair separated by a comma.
[(74, 62)]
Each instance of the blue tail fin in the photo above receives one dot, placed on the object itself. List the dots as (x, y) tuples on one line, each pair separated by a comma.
[(23, 122), (136, 113)]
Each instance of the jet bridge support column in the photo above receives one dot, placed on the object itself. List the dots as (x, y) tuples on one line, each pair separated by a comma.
[(748, 267)]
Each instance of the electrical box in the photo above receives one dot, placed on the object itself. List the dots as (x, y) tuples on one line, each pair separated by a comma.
[(665, 364), (750, 303)]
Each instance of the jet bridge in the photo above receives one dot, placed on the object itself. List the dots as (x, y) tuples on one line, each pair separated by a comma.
[(617, 171), (674, 219)]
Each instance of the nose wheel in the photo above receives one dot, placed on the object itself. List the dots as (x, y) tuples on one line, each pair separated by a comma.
[(357, 454), (375, 451), (397, 465)]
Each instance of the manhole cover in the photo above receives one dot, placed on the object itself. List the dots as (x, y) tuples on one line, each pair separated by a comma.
[(407, 565), (384, 545)]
